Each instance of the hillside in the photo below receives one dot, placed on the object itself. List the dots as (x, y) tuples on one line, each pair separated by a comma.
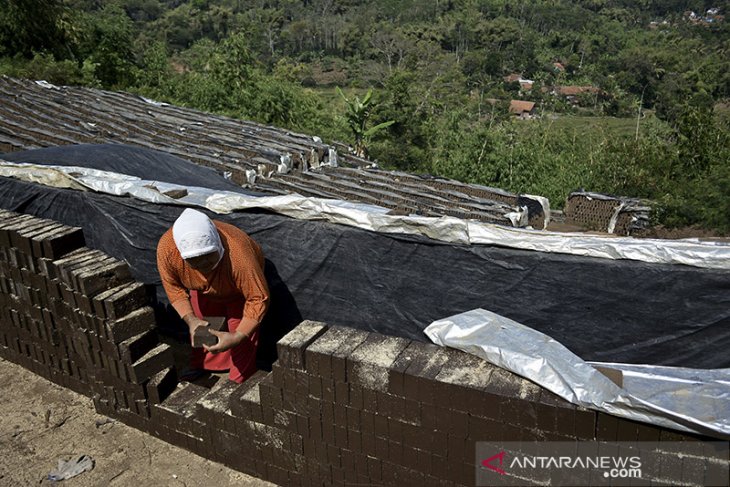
[(442, 72)]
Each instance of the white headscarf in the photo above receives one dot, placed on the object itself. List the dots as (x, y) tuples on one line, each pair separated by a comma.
[(195, 234)]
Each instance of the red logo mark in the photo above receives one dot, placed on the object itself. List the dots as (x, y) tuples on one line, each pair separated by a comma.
[(488, 461)]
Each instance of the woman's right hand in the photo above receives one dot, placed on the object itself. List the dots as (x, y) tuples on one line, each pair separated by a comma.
[(193, 322)]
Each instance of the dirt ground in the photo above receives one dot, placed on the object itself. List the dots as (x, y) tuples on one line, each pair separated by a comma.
[(41, 422)]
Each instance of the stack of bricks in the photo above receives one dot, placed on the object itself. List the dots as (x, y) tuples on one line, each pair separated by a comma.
[(596, 211), (341, 405), (75, 316)]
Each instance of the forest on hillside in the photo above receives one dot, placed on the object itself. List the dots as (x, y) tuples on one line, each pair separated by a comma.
[(630, 97)]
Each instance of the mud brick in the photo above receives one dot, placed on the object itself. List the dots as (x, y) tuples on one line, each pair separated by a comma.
[(217, 323), (417, 361), (314, 407), (352, 417), (63, 242), (342, 393), (127, 298), (15, 260), (246, 401), (369, 363), (318, 356), (9, 228), (314, 385), (340, 415), (84, 303), (480, 429), (178, 410), (328, 390), (99, 308), (462, 381), (375, 469), (24, 293), (134, 323), (36, 240), (76, 260), (157, 359), (213, 407), (37, 281), (134, 348), (606, 427), (328, 421), (626, 430), (585, 424), (9, 223), (23, 238), (645, 432), (54, 288), (290, 349), (203, 336), (370, 401), (36, 297), (271, 396), (35, 313), (280, 375), (161, 385), (380, 423), (45, 268), (302, 426), (68, 296), (391, 405), (110, 273), (285, 420)]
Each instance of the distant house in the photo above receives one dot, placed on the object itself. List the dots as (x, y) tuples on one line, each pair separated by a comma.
[(525, 84), (571, 93), (524, 110), (558, 67), (711, 16)]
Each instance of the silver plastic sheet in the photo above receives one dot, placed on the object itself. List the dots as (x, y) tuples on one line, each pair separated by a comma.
[(680, 398), (370, 217)]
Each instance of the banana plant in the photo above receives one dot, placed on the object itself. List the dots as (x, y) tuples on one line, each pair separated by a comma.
[(358, 116)]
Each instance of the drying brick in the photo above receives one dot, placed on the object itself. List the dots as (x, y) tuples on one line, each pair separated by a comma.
[(63, 242), (134, 348), (161, 385), (10, 225), (290, 349), (318, 356), (134, 323), (368, 364), (246, 401), (128, 298), (157, 359), (203, 336), (178, 411), (106, 274)]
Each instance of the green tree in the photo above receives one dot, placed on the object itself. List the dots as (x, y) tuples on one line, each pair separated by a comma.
[(358, 118), (29, 26)]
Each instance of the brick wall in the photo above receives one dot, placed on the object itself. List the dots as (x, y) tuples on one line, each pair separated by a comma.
[(340, 406)]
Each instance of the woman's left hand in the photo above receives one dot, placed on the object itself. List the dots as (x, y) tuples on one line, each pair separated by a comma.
[(226, 341)]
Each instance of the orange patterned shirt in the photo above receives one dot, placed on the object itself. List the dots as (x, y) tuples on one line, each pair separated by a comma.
[(239, 274)]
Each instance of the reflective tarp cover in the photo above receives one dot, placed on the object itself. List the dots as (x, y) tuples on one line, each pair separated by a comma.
[(688, 399), (600, 309)]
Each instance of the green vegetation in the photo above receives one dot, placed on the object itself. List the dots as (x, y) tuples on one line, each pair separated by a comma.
[(647, 126)]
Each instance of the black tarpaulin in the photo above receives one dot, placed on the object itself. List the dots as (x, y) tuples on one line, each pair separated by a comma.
[(602, 310)]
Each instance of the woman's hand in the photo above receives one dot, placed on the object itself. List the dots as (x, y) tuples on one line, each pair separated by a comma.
[(193, 322), (226, 341)]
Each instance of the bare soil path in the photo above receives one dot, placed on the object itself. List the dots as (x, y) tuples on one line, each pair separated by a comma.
[(41, 422)]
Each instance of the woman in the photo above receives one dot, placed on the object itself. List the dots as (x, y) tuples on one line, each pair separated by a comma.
[(211, 268)]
